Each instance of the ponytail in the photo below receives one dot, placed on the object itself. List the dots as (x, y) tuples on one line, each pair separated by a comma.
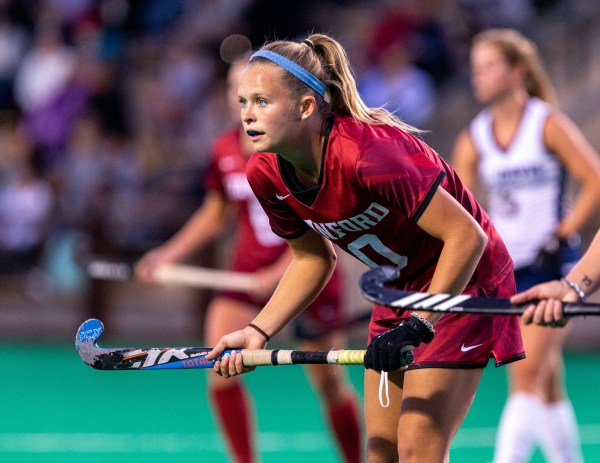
[(326, 59)]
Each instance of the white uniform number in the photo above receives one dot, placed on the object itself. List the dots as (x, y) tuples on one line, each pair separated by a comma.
[(356, 247)]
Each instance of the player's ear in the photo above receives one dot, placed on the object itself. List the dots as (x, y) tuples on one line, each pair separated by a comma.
[(520, 71), (308, 106)]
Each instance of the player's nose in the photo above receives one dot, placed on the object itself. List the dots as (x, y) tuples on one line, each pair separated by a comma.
[(248, 114)]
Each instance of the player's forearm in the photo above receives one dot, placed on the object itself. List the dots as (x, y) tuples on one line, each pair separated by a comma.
[(584, 209), (192, 237), (200, 229), (586, 273), (275, 271), (457, 263), (301, 283)]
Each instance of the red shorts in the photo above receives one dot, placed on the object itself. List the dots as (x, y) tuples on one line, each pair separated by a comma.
[(324, 312), (462, 341)]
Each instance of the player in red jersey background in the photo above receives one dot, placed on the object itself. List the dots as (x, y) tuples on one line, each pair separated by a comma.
[(259, 251), (354, 176)]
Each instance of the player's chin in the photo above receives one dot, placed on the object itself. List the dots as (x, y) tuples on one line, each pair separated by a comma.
[(483, 95), (262, 146)]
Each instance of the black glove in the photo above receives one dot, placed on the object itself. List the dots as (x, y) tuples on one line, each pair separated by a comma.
[(388, 351)]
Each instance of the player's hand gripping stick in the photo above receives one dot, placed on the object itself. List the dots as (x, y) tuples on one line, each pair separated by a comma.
[(391, 351)]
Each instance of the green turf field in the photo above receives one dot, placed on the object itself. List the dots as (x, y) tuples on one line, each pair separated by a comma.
[(56, 409)]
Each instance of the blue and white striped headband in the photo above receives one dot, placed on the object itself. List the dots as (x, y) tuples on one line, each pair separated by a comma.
[(294, 69)]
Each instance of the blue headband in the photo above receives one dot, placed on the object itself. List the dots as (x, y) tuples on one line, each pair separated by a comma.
[(294, 69)]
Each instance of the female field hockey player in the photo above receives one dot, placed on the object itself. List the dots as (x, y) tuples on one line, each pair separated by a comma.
[(582, 280), (518, 150), (259, 251), (330, 170)]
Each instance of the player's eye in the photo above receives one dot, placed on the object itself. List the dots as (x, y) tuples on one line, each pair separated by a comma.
[(261, 101), (242, 102)]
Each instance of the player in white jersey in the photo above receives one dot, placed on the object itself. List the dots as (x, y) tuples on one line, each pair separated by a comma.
[(524, 181), (518, 151)]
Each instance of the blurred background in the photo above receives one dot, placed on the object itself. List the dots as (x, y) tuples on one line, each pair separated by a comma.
[(108, 109)]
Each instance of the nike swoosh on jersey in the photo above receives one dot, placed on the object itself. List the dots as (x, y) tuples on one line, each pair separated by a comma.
[(281, 198), (467, 349)]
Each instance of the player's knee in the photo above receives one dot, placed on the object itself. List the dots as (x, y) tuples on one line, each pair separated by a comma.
[(381, 450), (420, 442), (529, 378), (329, 388), (409, 453), (328, 384)]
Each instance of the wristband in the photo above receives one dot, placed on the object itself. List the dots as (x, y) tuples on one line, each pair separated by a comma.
[(576, 289), (421, 327), (256, 328), (423, 320)]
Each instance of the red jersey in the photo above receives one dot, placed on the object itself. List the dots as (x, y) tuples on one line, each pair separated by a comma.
[(375, 182)]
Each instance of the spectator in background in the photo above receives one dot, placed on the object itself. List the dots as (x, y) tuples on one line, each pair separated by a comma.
[(186, 72), (26, 201), (125, 213), (49, 125), (51, 91), (485, 14), (272, 19), (45, 70), (13, 43), (80, 175), (394, 81), (108, 99), (430, 50), (409, 59), (518, 149)]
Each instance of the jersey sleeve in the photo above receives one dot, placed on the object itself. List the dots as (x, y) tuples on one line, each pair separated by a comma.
[(283, 220), (213, 179), (403, 172)]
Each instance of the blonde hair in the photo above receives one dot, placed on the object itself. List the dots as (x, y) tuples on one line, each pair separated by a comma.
[(326, 59), (517, 50)]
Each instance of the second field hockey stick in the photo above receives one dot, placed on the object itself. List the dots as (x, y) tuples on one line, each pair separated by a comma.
[(157, 358), (373, 286), (174, 274)]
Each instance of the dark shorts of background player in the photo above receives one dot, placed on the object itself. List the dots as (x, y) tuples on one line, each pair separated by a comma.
[(325, 312), (549, 265), (462, 341)]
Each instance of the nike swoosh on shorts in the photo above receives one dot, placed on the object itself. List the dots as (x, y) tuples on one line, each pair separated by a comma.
[(467, 349)]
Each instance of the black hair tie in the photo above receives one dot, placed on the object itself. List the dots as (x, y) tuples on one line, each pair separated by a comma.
[(309, 43)]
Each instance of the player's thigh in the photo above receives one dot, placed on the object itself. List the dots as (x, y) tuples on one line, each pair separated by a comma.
[(543, 364), (329, 380), (435, 402), (381, 422), (225, 315), (539, 340)]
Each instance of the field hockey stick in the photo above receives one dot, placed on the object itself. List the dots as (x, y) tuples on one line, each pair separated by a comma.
[(373, 288), (157, 358), (174, 274)]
